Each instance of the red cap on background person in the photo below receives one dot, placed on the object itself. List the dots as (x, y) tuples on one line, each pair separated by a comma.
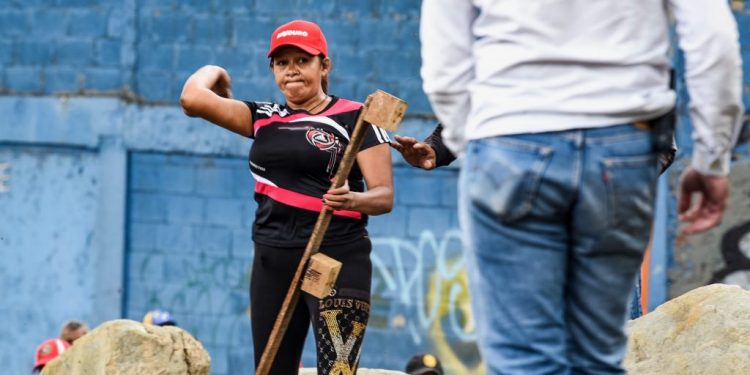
[(302, 34), (49, 350)]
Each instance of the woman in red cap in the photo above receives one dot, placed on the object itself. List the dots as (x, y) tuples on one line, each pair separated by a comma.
[(295, 154)]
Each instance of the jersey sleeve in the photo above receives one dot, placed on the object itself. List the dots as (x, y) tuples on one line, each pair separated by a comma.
[(253, 106), (374, 135)]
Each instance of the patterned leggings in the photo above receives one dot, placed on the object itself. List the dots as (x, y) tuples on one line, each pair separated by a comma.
[(339, 320)]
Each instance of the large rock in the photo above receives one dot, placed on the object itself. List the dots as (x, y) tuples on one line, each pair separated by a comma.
[(122, 347), (704, 331)]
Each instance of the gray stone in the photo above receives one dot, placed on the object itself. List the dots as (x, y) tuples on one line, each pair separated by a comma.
[(704, 331), (122, 347)]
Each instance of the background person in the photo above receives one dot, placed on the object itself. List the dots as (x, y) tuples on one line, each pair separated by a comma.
[(424, 364), (159, 318), (72, 330), (48, 350)]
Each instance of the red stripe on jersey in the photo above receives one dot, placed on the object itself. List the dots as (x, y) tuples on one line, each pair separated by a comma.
[(341, 106), (294, 199)]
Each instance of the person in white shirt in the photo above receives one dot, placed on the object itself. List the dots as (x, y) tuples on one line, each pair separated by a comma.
[(554, 105)]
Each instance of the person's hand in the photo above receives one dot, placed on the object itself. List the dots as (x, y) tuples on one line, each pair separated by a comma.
[(418, 154), (713, 193), (213, 77), (340, 198), (223, 84)]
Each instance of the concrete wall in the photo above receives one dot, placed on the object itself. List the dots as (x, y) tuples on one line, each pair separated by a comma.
[(112, 202)]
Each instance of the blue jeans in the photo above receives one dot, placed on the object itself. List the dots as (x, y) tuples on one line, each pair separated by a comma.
[(555, 226)]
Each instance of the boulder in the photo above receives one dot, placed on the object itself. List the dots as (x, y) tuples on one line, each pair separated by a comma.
[(122, 347), (704, 331)]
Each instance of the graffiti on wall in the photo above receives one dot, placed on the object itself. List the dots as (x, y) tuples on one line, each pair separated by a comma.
[(744, 133), (423, 290), (735, 250)]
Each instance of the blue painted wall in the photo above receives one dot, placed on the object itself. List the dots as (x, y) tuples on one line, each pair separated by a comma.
[(144, 50), (117, 203)]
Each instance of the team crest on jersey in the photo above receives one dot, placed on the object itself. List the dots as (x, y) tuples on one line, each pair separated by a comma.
[(325, 141), (269, 109)]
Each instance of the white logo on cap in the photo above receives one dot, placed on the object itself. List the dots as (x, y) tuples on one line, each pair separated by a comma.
[(291, 32)]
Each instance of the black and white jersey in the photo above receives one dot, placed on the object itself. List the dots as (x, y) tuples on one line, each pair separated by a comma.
[(293, 159)]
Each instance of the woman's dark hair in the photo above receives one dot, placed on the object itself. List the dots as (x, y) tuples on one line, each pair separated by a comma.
[(323, 82)]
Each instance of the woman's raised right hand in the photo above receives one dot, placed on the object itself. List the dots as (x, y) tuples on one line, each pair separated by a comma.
[(208, 94), (222, 86), (214, 78)]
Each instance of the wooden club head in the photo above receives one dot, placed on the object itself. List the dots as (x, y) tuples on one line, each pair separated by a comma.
[(385, 110)]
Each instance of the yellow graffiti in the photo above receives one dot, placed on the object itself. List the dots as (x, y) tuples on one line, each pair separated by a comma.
[(460, 305)]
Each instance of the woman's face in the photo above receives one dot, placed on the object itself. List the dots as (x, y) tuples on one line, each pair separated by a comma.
[(298, 74)]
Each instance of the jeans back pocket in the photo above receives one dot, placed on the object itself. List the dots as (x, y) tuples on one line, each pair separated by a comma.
[(631, 190), (504, 175)]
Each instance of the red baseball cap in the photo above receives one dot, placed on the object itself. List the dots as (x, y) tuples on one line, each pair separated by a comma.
[(49, 350), (305, 35)]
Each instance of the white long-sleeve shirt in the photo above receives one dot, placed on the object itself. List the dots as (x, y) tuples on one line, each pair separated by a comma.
[(499, 67)]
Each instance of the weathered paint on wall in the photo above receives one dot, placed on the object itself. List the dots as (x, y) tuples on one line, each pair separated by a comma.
[(47, 221)]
